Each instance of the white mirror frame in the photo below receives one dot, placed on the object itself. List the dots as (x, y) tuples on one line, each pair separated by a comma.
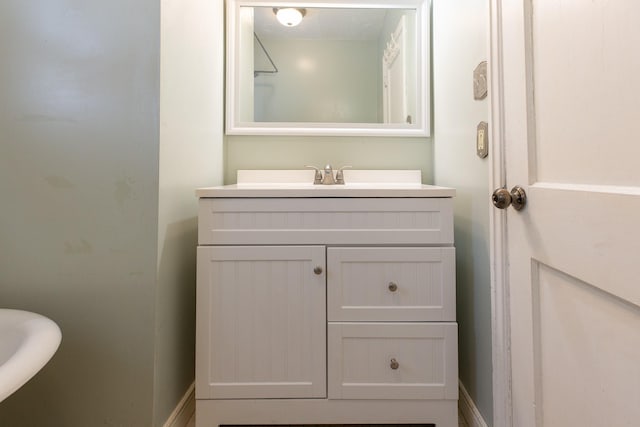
[(421, 128)]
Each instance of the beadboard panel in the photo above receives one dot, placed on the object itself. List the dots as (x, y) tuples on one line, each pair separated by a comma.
[(261, 321), (391, 284), (361, 355), (326, 221)]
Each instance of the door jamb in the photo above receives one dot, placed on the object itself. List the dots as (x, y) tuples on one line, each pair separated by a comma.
[(500, 306)]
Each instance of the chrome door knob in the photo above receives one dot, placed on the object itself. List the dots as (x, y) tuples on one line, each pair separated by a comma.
[(503, 198), (518, 198)]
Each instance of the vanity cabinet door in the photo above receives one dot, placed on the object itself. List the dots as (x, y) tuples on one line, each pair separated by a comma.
[(261, 322)]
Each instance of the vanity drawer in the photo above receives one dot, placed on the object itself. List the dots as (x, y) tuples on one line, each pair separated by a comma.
[(275, 221), (391, 284), (392, 361)]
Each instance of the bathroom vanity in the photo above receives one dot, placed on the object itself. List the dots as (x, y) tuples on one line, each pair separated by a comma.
[(326, 304)]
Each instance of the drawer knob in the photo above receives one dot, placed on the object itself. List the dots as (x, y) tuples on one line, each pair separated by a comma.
[(393, 287), (317, 270), (394, 364)]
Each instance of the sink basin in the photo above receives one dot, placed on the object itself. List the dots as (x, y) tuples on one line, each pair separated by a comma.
[(27, 342), (299, 183)]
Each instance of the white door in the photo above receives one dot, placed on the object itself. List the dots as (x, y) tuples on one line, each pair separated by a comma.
[(568, 113), (394, 77), (261, 322)]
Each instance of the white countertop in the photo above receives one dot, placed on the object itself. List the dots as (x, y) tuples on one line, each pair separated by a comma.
[(299, 183)]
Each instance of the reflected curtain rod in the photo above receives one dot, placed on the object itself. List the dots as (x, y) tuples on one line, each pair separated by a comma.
[(257, 72)]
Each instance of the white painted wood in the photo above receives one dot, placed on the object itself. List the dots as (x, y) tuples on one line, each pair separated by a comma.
[(500, 305), (360, 355), (184, 410), (421, 221), (245, 312), (469, 410), (586, 351), (422, 124), (261, 322), (213, 413), (358, 281), (570, 123), (394, 86)]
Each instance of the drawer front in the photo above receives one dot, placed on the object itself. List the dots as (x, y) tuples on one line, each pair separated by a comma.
[(392, 361), (391, 284), (388, 221)]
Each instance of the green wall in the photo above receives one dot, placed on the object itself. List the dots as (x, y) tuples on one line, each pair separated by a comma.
[(190, 156), (276, 152), (79, 186), (98, 217), (339, 82), (460, 34)]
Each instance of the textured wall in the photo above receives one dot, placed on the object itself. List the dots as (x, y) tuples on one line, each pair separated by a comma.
[(98, 218), (79, 189)]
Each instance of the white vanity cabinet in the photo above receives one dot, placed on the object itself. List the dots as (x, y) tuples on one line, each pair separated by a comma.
[(317, 309)]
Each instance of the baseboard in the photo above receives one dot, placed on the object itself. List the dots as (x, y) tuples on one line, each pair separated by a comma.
[(184, 410), (469, 409)]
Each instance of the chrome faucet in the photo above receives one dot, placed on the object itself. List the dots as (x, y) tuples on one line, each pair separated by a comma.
[(327, 177)]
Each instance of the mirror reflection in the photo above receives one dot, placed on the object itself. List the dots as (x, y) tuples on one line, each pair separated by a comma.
[(327, 65)]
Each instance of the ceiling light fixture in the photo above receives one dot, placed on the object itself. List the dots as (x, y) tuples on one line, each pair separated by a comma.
[(289, 16)]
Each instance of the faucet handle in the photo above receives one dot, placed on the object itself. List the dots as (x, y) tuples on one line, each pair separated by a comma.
[(317, 177), (340, 174)]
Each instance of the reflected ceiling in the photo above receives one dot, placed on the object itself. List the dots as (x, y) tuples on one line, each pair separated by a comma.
[(326, 24)]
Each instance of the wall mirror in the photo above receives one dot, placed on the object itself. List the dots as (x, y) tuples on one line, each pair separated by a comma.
[(328, 68)]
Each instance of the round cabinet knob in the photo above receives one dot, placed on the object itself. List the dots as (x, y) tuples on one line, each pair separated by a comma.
[(394, 364), (393, 287), (317, 270)]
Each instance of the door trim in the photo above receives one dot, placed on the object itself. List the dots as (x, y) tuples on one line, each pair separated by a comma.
[(500, 316)]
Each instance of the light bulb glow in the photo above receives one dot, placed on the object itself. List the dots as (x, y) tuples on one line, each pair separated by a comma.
[(289, 16)]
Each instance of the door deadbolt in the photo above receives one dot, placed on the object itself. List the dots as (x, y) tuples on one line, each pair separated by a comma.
[(503, 198)]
